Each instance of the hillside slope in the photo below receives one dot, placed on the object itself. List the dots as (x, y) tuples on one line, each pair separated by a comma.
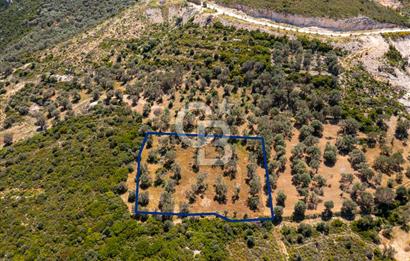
[(333, 9), (335, 140), (30, 25)]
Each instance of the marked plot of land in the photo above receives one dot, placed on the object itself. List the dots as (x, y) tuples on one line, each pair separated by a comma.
[(173, 178)]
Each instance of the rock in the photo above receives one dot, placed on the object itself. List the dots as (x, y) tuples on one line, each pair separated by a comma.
[(350, 24)]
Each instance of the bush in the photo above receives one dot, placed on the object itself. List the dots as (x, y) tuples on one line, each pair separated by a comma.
[(366, 202), (143, 199), (166, 202), (168, 225), (305, 131), (280, 199), (345, 144), (8, 139), (131, 196), (330, 155), (250, 241), (323, 228), (348, 210), (253, 202), (327, 212), (200, 186), (401, 129), (350, 127), (220, 190), (152, 157), (121, 188), (305, 230), (357, 158), (144, 179), (278, 213), (317, 128), (299, 211)]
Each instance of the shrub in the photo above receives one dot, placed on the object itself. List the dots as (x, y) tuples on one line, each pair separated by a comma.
[(184, 208), (323, 228), (159, 177), (253, 202), (345, 144), (305, 131), (255, 185), (317, 128), (401, 129), (250, 241), (220, 190), (384, 199), (357, 158), (305, 230), (8, 139), (131, 196), (236, 192), (152, 157), (330, 155), (278, 213), (402, 195), (280, 199), (168, 225), (350, 127), (170, 186), (231, 169), (177, 172), (366, 202), (394, 57), (166, 202), (348, 209), (121, 188), (191, 196), (299, 211), (327, 212), (143, 199), (144, 179), (170, 156)]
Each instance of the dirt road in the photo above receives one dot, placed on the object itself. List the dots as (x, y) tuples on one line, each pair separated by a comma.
[(221, 10)]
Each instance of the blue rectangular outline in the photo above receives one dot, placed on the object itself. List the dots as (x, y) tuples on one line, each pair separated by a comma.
[(265, 162)]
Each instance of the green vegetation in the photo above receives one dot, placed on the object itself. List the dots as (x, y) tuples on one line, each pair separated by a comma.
[(29, 25), (58, 198), (394, 58), (331, 8), (365, 98), (328, 241), (405, 9), (59, 190)]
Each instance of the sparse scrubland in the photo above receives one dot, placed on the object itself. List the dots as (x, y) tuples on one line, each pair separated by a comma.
[(236, 189), (336, 141)]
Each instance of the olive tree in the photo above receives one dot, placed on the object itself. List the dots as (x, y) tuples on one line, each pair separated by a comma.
[(299, 211), (348, 210), (220, 190), (280, 199)]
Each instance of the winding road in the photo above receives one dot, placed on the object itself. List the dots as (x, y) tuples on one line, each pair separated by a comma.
[(221, 10)]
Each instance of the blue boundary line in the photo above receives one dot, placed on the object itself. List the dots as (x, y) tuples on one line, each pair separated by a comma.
[(265, 163)]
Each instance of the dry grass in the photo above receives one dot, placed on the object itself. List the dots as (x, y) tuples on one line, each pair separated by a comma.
[(206, 202)]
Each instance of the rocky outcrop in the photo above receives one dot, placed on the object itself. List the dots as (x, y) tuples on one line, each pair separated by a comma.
[(350, 24)]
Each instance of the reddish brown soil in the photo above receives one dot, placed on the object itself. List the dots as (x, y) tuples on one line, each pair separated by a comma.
[(206, 203)]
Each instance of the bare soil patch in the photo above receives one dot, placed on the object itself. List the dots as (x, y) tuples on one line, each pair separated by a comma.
[(206, 201)]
